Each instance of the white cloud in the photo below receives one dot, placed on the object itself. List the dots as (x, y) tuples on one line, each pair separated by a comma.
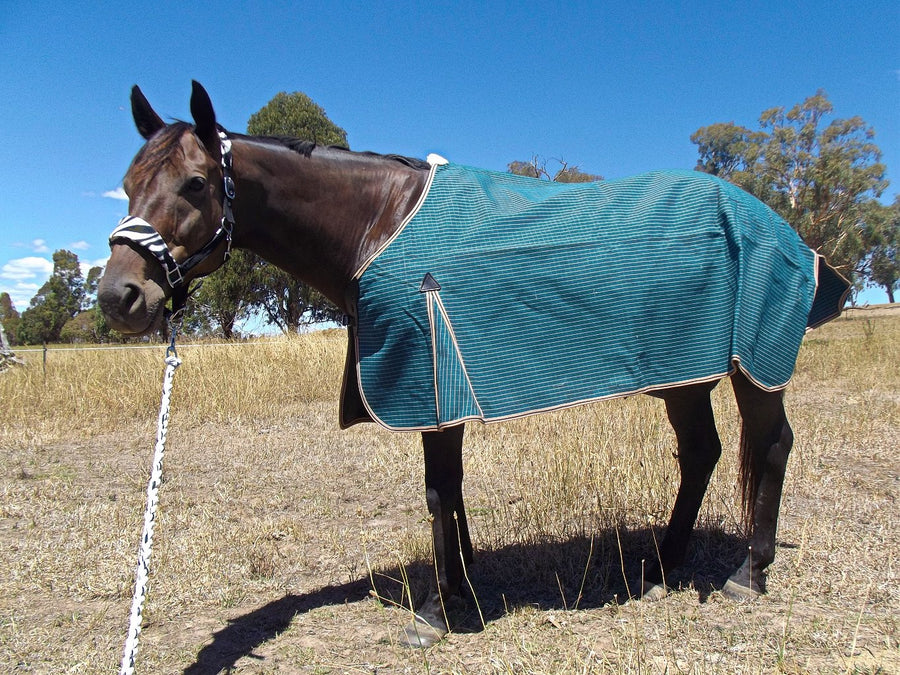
[(81, 245), (39, 246), (31, 267), (27, 275), (118, 193)]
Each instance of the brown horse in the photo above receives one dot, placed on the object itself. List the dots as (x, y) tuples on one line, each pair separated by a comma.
[(319, 213)]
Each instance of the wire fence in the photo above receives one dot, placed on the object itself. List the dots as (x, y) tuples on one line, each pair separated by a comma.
[(158, 345)]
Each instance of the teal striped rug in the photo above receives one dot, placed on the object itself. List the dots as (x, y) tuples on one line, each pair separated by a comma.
[(504, 296)]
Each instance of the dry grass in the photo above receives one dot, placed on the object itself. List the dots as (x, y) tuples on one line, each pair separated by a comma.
[(93, 391), (274, 524)]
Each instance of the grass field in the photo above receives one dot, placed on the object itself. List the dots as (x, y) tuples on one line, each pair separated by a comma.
[(285, 545)]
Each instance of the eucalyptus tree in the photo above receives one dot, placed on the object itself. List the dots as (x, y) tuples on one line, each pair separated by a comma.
[(821, 175)]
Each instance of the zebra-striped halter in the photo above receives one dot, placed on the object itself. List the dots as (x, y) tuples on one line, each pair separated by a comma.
[(138, 231)]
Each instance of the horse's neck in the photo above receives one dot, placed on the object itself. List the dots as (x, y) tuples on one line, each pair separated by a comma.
[(319, 217)]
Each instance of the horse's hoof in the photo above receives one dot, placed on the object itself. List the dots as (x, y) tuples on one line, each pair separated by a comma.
[(735, 591), (651, 592), (420, 634)]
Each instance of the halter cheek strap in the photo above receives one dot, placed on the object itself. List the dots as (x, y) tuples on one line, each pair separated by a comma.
[(138, 231)]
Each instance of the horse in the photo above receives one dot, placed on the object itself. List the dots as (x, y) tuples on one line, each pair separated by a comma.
[(324, 213)]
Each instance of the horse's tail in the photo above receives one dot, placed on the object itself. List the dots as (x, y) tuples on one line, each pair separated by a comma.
[(750, 475)]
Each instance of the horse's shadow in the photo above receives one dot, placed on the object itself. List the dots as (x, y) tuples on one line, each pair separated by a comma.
[(575, 573)]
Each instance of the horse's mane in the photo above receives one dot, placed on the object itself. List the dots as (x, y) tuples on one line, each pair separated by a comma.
[(306, 148), (153, 155)]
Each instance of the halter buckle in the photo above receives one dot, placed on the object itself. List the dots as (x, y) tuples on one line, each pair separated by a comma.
[(173, 274)]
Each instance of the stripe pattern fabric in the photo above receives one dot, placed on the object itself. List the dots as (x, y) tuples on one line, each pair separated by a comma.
[(504, 296), (140, 232)]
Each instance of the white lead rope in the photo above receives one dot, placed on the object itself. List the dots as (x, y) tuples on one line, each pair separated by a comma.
[(142, 573)]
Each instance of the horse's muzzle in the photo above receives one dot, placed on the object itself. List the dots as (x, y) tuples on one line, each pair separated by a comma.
[(129, 296)]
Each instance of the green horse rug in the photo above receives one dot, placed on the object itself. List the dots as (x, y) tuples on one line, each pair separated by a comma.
[(503, 296)]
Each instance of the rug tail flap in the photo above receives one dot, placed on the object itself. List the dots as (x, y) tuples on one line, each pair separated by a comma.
[(454, 397), (832, 290)]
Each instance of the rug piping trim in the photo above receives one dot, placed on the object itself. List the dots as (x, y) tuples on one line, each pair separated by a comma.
[(736, 365)]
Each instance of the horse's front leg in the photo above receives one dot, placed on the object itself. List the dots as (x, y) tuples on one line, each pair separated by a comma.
[(450, 533)]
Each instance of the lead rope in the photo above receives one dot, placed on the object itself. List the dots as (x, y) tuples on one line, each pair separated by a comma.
[(142, 573)]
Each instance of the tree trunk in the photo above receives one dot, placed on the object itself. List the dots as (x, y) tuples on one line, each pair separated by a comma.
[(7, 357), (4, 343)]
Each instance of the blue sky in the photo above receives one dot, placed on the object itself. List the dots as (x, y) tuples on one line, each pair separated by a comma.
[(616, 88)]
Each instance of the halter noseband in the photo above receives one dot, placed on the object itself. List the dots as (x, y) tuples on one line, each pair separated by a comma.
[(135, 230)]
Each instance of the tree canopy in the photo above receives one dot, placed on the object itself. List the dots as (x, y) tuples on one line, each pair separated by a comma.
[(9, 317), (226, 296), (882, 236), (296, 116), (57, 301), (821, 176)]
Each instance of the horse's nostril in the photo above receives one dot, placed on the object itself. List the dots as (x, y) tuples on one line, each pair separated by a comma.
[(127, 306), (131, 298), (121, 301), (130, 294)]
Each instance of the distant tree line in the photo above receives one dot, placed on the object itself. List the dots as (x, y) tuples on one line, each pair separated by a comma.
[(823, 177)]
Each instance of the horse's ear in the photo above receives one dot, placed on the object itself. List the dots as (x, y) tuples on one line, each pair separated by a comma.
[(205, 120), (145, 118)]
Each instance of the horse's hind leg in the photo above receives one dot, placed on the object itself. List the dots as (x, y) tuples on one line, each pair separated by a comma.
[(450, 532), (766, 441), (690, 413)]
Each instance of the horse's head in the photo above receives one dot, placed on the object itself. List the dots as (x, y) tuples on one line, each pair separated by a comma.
[(179, 224)]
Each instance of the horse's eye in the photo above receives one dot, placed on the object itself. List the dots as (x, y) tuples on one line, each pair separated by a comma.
[(196, 184)]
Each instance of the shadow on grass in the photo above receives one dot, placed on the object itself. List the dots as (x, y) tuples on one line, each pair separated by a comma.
[(575, 573), (247, 632)]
